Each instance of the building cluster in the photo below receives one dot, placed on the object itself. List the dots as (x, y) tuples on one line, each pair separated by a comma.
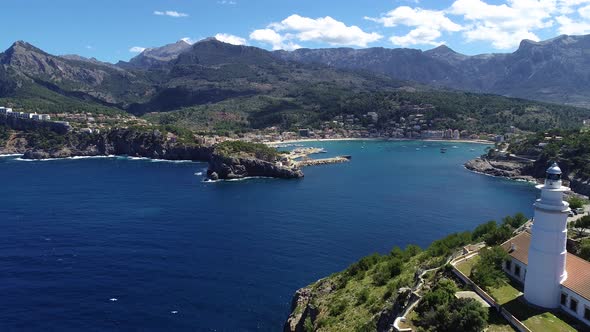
[(24, 115)]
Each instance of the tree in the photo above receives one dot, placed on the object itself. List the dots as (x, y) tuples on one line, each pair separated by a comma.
[(585, 250), (515, 221), (576, 202), (484, 229), (487, 272), (582, 225), (457, 315), (442, 293)]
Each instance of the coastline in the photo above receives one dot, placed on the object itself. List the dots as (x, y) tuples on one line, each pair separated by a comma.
[(306, 140)]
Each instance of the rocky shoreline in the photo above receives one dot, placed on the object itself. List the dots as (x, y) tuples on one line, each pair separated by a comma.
[(511, 169), (228, 168), (522, 171), (153, 145)]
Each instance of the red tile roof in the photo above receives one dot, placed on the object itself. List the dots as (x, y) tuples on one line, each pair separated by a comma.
[(578, 269)]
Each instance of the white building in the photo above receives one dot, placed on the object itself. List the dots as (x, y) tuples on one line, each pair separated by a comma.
[(552, 277)]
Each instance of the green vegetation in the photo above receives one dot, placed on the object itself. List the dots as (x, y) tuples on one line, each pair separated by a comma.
[(576, 202), (583, 225), (540, 320), (247, 149), (487, 272), (570, 148), (46, 139), (351, 300), (4, 134), (493, 234), (584, 251), (467, 265), (504, 292)]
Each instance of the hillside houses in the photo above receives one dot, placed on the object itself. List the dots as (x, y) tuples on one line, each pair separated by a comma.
[(24, 115)]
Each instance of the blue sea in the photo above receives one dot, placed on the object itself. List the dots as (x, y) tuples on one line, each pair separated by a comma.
[(117, 244)]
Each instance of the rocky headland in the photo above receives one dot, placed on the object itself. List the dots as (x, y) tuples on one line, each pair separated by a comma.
[(150, 144), (241, 161), (228, 168), (524, 170), (512, 169), (238, 160)]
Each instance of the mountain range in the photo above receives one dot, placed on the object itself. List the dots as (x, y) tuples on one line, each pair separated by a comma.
[(214, 84)]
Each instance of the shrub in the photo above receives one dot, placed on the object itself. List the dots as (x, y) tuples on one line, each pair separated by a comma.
[(337, 307), (362, 296), (582, 224), (258, 150), (440, 295), (487, 272), (576, 202), (585, 250), (515, 221)]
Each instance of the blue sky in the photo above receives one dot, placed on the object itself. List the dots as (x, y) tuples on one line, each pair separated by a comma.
[(112, 30)]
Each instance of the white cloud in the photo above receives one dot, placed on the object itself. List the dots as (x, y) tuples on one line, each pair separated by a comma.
[(324, 30), (137, 49), (585, 12), (568, 6), (278, 42), (170, 13), (227, 2), (230, 39), (507, 24), (418, 36), (428, 25), (570, 27), (416, 17)]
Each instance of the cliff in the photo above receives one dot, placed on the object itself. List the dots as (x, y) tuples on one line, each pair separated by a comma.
[(29, 124), (522, 170), (150, 144), (228, 160), (512, 169), (228, 167)]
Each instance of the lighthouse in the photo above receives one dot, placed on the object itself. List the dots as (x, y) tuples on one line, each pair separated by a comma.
[(547, 252)]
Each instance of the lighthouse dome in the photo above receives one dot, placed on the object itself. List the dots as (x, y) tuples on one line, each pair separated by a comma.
[(554, 169), (553, 175)]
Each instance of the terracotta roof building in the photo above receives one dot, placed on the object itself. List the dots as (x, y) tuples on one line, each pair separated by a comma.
[(575, 296), (552, 277)]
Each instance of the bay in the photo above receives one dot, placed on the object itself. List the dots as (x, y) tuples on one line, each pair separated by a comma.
[(113, 244)]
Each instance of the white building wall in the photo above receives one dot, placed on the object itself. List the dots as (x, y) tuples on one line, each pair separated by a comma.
[(514, 266), (583, 304)]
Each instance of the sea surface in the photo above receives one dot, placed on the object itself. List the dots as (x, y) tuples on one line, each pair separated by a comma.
[(117, 244)]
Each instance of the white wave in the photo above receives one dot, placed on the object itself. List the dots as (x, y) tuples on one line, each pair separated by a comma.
[(236, 180), (199, 173), (171, 161), (68, 158), (8, 155)]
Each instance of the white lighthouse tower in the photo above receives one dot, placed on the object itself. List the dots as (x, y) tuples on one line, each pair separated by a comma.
[(547, 252)]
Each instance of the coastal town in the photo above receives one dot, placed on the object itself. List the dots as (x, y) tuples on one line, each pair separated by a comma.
[(349, 126)]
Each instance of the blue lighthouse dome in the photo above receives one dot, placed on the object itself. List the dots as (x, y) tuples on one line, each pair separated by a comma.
[(554, 172), (554, 169)]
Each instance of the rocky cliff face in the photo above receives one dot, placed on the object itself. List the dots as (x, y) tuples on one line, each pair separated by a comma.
[(222, 167), (27, 124), (156, 57), (123, 142), (554, 70), (503, 168)]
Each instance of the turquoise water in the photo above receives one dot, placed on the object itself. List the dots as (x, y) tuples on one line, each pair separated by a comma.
[(181, 254)]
